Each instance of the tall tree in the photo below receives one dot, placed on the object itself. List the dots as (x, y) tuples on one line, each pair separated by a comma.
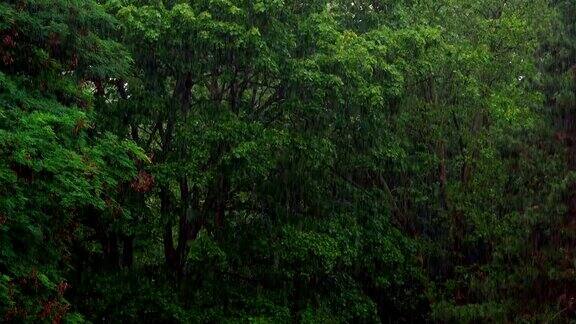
[(53, 167)]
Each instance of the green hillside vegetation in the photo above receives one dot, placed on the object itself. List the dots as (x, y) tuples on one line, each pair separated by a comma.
[(287, 161)]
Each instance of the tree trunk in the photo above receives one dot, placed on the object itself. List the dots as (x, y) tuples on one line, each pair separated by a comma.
[(127, 251), (570, 130), (443, 176), (169, 251), (111, 254)]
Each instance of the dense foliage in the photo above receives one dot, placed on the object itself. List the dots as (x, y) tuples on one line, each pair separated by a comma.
[(287, 161)]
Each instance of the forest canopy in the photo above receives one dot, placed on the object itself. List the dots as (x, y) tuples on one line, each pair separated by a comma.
[(287, 161)]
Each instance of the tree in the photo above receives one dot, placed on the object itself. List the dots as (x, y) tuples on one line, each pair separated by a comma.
[(53, 167), (286, 161)]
